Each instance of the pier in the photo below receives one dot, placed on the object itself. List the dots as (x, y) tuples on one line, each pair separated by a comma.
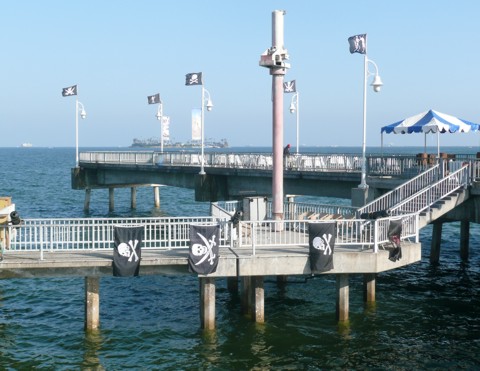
[(259, 246)]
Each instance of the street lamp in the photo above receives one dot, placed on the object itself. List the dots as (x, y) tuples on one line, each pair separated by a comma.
[(83, 114), (206, 102), (295, 106), (377, 85), (159, 117)]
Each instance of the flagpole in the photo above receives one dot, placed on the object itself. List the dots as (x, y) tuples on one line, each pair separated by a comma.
[(298, 121), (202, 171), (363, 182), (76, 131)]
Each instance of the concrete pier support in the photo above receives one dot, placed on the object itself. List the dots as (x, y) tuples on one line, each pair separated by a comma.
[(207, 302), (369, 287), (464, 239), (86, 204), (133, 198), (258, 299), (92, 303), (436, 242), (111, 199), (156, 196), (342, 297)]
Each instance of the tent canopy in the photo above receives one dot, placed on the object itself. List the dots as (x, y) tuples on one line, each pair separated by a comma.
[(430, 122)]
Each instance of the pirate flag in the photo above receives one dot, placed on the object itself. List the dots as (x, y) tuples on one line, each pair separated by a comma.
[(127, 251), (321, 241), (203, 251), (394, 234), (71, 90)]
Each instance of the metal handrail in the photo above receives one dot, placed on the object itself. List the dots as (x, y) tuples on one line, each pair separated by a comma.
[(433, 193), (173, 233), (403, 191)]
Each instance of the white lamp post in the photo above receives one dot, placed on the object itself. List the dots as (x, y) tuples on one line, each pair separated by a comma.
[(206, 102), (159, 117), (377, 85), (295, 106), (83, 114)]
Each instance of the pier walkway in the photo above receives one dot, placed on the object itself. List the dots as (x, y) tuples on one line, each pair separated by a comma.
[(237, 175)]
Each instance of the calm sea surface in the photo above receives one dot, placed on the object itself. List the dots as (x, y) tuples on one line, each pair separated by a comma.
[(425, 317)]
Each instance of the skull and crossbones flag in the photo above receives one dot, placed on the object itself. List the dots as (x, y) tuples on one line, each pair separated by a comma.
[(204, 250), (127, 250), (71, 90), (290, 86), (358, 44), (194, 78), (152, 99), (321, 241)]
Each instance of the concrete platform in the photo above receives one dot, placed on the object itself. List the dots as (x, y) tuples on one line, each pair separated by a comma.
[(281, 260)]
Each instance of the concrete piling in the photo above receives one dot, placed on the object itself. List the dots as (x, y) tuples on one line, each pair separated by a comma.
[(92, 303)]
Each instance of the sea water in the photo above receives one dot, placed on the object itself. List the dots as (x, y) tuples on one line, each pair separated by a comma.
[(425, 316)]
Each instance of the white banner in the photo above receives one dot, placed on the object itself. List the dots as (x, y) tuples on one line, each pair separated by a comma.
[(196, 124), (166, 127)]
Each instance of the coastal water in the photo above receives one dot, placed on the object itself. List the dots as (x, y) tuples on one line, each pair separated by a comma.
[(425, 317)]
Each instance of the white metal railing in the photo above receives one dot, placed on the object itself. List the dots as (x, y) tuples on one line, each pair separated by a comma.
[(173, 233), (351, 233), (298, 210), (398, 165), (402, 192), (433, 193), (94, 233)]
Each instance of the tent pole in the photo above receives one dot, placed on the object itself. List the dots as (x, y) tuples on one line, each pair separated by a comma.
[(438, 144)]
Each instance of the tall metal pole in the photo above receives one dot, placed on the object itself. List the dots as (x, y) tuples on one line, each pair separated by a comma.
[(202, 171), (274, 59), (76, 132), (298, 121), (363, 183), (160, 111)]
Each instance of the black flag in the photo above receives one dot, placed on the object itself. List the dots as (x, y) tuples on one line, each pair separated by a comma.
[(290, 86), (127, 251), (203, 251), (321, 241), (394, 235), (194, 78), (152, 99), (358, 43), (71, 90)]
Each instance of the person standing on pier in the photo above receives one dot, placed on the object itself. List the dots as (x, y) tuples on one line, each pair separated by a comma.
[(286, 155)]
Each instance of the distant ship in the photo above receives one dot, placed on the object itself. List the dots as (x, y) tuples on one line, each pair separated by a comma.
[(153, 142), (26, 145)]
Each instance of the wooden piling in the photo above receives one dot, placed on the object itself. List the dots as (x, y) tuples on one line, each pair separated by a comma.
[(246, 295), (342, 297), (436, 242), (133, 198), (86, 204), (207, 302), (464, 239), (92, 303), (232, 285), (111, 199)]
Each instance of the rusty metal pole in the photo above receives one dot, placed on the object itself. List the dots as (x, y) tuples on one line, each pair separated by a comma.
[(274, 59)]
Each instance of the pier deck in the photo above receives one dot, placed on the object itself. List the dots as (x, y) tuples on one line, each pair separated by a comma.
[(281, 260)]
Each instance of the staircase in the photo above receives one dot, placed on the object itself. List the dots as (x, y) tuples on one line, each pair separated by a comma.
[(430, 194)]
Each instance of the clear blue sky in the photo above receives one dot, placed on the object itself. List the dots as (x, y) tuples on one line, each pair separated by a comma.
[(119, 52)]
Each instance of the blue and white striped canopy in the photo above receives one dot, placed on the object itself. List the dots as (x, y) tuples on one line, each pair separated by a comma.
[(430, 122)]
